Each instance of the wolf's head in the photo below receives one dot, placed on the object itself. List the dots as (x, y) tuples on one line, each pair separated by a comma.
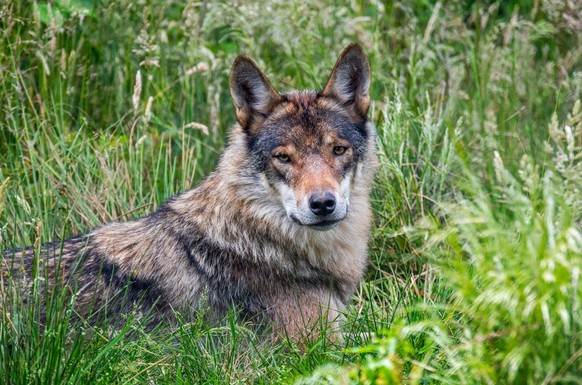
[(308, 147)]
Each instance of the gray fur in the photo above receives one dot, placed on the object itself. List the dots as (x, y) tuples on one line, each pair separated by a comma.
[(231, 241)]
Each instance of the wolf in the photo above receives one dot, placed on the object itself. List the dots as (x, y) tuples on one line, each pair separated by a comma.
[(278, 231)]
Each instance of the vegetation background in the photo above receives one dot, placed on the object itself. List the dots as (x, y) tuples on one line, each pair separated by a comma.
[(107, 108)]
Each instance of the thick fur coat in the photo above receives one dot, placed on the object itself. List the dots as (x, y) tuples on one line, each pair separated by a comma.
[(278, 231)]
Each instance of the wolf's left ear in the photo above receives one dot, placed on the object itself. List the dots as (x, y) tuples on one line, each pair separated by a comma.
[(254, 97), (349, 82)]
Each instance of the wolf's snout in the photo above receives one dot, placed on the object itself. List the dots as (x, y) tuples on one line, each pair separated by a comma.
[(322, 203)]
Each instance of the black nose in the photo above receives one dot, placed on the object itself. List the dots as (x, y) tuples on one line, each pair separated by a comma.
[(322, 203)]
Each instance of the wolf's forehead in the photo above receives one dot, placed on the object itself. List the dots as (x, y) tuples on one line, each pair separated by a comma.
[(300, 98), (306, 110), (306, 123), (305, 120)]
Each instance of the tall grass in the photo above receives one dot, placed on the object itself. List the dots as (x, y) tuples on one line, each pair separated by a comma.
[(108, 108)]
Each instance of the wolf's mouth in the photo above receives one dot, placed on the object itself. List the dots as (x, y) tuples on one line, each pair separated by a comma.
[(323, 225), (326, 223)]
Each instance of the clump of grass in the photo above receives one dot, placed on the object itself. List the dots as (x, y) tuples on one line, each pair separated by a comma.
[(417, 156)]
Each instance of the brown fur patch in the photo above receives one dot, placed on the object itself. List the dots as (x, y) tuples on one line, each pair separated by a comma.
[(300, 99)]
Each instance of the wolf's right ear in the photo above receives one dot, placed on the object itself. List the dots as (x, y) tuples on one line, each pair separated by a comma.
[(254, 97), (349, 82)]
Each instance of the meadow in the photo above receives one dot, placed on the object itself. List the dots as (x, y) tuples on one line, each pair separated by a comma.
[(108, 108)]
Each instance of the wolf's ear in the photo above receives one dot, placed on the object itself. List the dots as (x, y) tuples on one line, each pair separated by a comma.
[(254, 97), (349, 82)]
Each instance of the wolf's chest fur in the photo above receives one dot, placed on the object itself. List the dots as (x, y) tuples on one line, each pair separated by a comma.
[(278, 230)]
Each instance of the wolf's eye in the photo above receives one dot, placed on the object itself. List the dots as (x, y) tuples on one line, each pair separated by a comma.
[(339, 150), (282, 157)]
